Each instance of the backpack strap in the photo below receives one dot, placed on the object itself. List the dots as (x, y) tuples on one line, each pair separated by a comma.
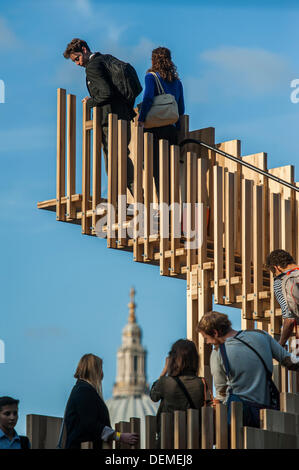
[(158, 83), (185, 391)]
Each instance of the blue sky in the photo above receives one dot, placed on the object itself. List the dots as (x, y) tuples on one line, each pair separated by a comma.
[(64, 294)]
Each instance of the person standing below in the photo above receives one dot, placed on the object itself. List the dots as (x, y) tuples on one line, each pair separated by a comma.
[(86, 417), (286, 289), (239, 373), (9, 413), (166, 73), (179, 387), (103, 92)]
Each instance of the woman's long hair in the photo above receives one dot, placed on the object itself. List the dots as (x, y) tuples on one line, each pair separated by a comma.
[(90, 369), (183, 358), (162, 63)]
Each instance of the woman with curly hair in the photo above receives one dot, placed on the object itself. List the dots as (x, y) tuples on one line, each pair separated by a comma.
[(166, 72)]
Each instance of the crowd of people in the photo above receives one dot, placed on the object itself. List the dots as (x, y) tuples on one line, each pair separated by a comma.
[(241, 365), (241, 361)]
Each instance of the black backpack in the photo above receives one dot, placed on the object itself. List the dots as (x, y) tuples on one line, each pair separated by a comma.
[(123, 77)]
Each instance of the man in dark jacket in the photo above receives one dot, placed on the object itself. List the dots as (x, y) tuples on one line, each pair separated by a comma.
[(102, 94)]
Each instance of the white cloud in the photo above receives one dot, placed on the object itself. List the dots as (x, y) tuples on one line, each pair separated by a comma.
[(8, 38), (83, 7), (237, 71), (49, 332)]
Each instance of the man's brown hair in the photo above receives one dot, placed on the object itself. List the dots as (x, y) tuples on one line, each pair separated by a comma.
[(183, 358), (214, 321), (279, 258), (74, 46)]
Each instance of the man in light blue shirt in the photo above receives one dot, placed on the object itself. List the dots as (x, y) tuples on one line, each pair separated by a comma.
[(9, 439), (247, 377)]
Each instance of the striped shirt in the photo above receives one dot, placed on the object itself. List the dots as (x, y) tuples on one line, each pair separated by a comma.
[(285, 311)]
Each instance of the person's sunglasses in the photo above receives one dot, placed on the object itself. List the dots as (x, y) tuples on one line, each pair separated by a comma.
[(76, 59)]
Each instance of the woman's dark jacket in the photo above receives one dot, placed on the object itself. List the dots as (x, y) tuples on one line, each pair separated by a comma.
[(86, 416), (173, 398)]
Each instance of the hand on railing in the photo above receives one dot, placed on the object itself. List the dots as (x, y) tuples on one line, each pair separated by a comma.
[(129, 438), (86, 99)]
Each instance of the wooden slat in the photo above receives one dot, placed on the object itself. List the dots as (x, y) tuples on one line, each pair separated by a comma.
[(164, 202), (207, 427), (229, 237), (260, 439), (43, 431), (138, 230), (233, 147), (193, 429), (135, 428), (257, 249), (180, 431), (274, 224), (218, 234), (296, 222), (85, 171), (150, 432), (166, 431), (122, 182), (289, 402), (286, 226), (190, 212), (247, 323), (112, 178), (148, 193), (86, 445), (203, 208), (277, 421), (192, 305), (175, 208), (71, 156), (60, 168), (236, 425), (124, 427), (96, 165), (221, 427)]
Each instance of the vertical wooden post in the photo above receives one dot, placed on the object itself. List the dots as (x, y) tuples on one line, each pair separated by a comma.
[(124, 427), (191, 201), (164, 203), (148, 193), (138, 207), (207, 427), (135, 428), (60, 169), (150, 432), (122, 182), (85, 171), (257, 249), (218, 234), (180, 430), (175, 208), (96, 165), (112, 179), (193, 429), (247, 322), (229, 237), (166, 431), (221, 427), (236, 425), (71, 156), (274, 223)]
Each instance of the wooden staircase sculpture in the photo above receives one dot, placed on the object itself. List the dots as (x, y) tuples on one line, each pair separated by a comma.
[(242, 216)]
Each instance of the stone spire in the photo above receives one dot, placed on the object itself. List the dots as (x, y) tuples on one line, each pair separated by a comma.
[(132, 305), (131, 358)]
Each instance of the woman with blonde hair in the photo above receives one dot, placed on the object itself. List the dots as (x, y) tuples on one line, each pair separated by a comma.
[(86, 416)]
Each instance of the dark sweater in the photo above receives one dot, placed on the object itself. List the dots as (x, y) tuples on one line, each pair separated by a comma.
[(85, 417)]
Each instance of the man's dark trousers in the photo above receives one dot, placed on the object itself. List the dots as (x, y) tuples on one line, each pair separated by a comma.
[(123, 112)]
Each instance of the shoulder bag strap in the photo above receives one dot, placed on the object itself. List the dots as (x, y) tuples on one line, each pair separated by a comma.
[(185, 391), (159, 85), (269, 375)]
